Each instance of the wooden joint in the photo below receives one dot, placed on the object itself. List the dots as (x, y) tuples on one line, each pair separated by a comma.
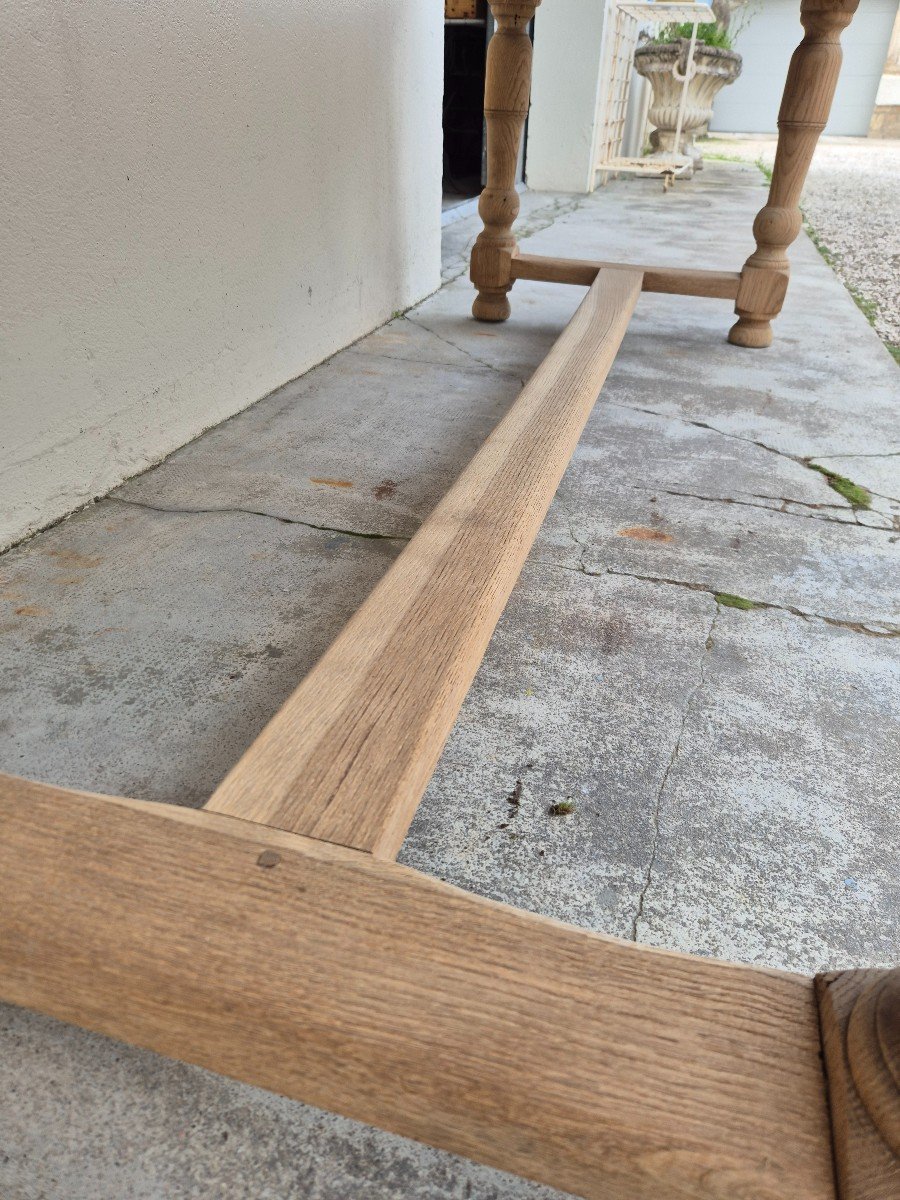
[(761, 292)]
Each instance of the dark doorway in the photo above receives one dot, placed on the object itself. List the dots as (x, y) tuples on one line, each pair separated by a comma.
[(468, 26), (465, 47)]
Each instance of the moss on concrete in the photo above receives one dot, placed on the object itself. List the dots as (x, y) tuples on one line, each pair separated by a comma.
[(729, 601), (854, 492)]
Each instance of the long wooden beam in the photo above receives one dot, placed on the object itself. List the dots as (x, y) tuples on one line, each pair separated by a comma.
[(349, 755), (681, 281), (609, 1070)]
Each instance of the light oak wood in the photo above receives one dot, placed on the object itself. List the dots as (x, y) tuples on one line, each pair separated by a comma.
[(808, 93), (349, 755), (506, 96), (680, 281), (609, 1070), (860, 1015), (612, 1071)]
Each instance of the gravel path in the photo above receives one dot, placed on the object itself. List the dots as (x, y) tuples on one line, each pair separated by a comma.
[(852, 203)]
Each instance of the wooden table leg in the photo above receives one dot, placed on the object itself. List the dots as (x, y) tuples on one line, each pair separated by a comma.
[(506, 95), (808, 92)]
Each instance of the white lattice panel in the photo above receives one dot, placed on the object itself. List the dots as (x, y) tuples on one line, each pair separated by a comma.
[(664, 14), (624, 21)]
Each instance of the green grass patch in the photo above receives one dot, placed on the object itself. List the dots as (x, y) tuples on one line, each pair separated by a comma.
[(765, 168), (714, 157), (729, 601), (857, 495)]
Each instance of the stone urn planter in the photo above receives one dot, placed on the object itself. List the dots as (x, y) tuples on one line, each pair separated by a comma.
[(664, 63)]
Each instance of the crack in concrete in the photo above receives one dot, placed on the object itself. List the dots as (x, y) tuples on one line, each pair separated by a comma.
[(808, 461), (750, 504), (673, 758), (462, 350), (883, 631), (428, 362), (884, 454), (254, 512), (783, 500), (804, 462)]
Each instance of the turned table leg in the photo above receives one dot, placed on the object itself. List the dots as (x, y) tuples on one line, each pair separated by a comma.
[(860, 1022), (506, 94), (808, 92)]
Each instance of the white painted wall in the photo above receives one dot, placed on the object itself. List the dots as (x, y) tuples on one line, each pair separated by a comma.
[(200, 200), (751, 104), (567, 47)]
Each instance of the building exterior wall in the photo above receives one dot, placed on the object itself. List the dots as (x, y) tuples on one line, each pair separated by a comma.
[(561, 125), (751, 104), (201, 199)]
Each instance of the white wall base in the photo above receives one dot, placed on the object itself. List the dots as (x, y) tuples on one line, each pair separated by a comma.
[(201, 201)]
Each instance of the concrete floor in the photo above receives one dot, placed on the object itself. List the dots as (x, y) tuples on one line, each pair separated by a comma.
[(734, 772)]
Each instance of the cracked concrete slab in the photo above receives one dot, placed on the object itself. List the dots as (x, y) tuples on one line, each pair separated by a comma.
[(368, 442), (141, 652), (630, 445), (734, 773), (794, 560), (555, 708), (787, 768)]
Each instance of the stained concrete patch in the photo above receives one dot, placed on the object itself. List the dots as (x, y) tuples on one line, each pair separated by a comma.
[(786, 771), (140, 652), (132, 1126), (365, 443), (579, 699)]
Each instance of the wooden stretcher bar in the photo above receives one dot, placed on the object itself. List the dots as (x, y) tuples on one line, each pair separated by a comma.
[(679, 281), (270, 938), (609, 1070), (351, 752)]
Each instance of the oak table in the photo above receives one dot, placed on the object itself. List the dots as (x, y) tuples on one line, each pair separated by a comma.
[(271, 937)]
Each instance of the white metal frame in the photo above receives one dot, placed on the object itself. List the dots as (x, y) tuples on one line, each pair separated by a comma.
[(624, 21)]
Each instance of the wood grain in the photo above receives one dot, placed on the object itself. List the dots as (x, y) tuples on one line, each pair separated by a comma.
[(349, 755), (507, 91), (866, 1131), (808, 93), (680, 281), (611, 1071)]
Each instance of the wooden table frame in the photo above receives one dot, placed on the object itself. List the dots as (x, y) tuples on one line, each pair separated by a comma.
[(270, 936)]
